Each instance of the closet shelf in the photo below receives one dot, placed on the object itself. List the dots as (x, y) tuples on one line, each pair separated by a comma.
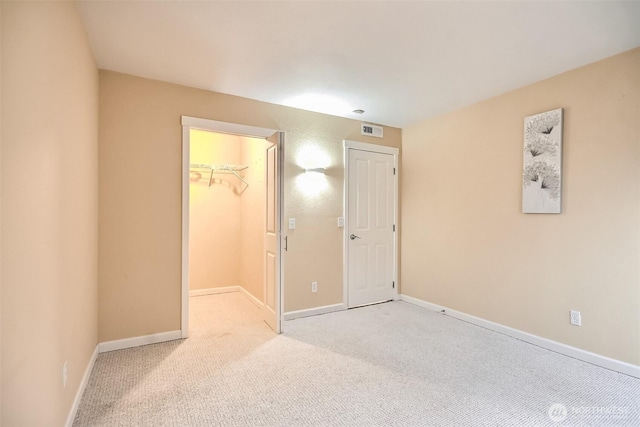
[(232, 169)]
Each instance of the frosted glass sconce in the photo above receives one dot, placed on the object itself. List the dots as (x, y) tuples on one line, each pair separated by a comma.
[(315, 170)]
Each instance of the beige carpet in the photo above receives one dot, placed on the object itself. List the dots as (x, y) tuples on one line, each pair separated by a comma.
[(391, 364)]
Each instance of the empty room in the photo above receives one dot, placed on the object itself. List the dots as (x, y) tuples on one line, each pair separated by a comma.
[(319, 213)]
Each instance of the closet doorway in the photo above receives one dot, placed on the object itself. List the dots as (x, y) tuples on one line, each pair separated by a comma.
[(231, 222)]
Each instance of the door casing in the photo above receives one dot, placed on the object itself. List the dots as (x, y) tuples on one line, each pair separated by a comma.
[(395, 152), (189, 123)]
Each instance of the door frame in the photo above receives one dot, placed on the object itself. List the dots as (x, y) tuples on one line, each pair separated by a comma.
[(382, 149), (189, 123)]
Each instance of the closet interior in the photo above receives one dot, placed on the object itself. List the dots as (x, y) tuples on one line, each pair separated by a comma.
[(227, 211)]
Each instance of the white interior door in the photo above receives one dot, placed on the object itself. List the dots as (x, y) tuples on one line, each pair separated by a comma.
[(271, 237), (371, 223)]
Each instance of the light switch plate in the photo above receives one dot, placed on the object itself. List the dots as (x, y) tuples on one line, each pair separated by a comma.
[(341, 222), (292, 223)]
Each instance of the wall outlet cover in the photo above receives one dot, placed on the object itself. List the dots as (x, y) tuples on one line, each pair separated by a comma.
[(576, 318)]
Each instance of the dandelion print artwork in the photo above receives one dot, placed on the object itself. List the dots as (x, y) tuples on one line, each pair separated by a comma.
[(541, 175)]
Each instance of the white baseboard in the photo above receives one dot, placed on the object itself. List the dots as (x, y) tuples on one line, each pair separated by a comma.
[(81, 388), (314, 311), (138, 341), (224, 290), (211, 291), (567, 350), (250, 297), (103, 347)]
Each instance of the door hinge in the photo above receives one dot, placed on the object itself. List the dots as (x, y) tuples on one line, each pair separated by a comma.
[(394, 228), (394, 285), (394, 171)]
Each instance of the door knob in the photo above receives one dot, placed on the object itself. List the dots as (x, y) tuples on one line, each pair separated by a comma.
[(354, 237)]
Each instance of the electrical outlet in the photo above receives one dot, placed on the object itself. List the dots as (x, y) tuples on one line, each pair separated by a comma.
[(576, 319), (65, 372), (314, 286)]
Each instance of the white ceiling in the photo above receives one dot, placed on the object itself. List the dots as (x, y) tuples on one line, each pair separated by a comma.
[(401, 62)]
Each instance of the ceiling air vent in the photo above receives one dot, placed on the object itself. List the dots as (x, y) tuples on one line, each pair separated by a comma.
[(372, 130)]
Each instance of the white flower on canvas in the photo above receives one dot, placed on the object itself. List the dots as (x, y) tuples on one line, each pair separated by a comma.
[(543, 122), (538, 139), (546, 174)]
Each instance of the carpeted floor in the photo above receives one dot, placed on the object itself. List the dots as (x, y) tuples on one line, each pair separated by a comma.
[(391, 364)]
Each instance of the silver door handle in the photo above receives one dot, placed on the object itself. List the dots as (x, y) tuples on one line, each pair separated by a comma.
[(354, 237)]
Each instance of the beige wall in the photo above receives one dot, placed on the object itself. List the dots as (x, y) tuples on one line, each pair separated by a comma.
[(466, 244), (226, 219), (49, 210), (1, 210), (140, 199), (252, 213), (214, 213)]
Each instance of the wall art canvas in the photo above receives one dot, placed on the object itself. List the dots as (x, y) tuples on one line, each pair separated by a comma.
[(542, 170)]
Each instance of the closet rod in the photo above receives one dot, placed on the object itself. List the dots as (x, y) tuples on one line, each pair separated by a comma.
[(233, 169)]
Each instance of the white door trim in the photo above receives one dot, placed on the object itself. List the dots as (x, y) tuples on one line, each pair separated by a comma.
[(225, 127), (189, 123), (383, 149)]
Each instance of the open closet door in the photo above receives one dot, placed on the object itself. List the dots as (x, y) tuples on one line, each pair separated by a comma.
[(272, 290)]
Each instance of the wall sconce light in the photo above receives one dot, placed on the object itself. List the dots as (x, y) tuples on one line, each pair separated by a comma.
[(313, 160), (313, 181), (315, 170)]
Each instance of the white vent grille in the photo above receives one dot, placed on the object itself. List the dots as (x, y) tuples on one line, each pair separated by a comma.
[(371, 130)]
